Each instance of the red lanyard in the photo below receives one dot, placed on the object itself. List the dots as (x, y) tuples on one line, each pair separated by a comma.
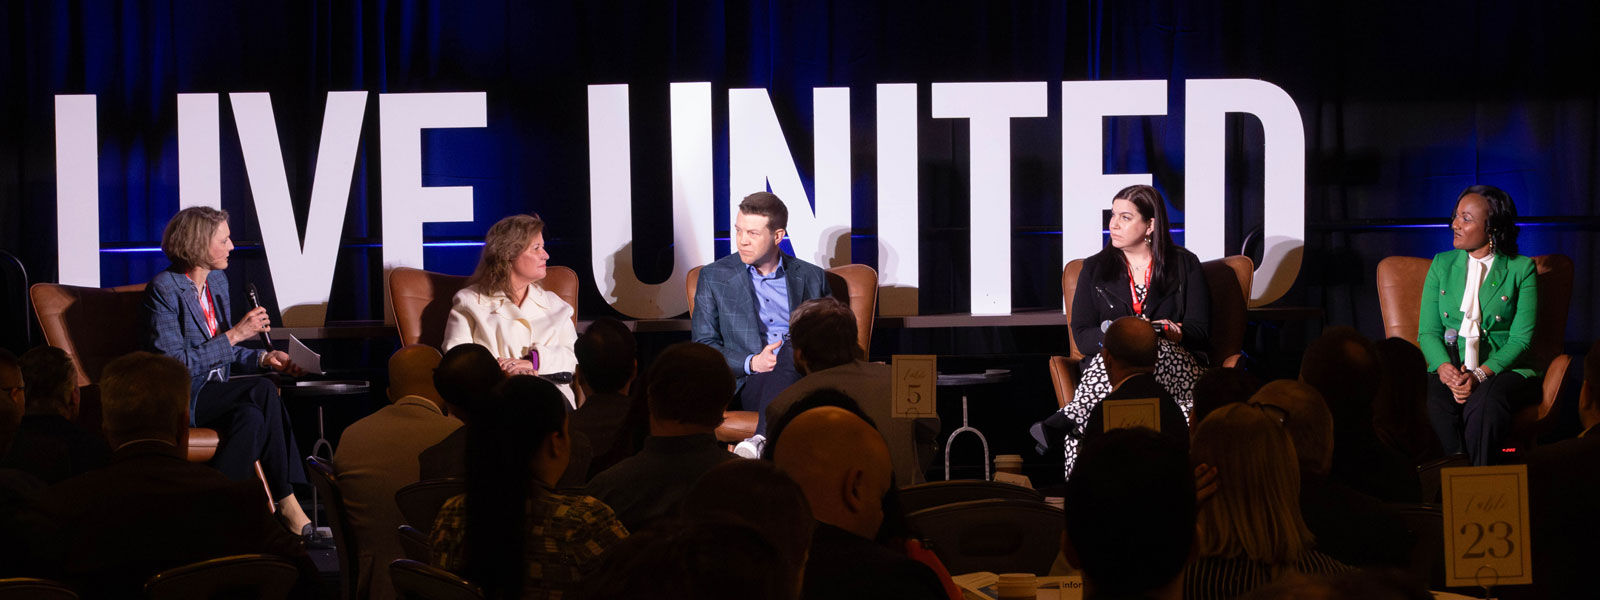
[(1133, 293), (211, 313)]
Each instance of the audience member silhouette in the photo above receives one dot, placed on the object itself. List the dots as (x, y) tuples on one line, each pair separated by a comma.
[(377, 455), (822, 335), (1251, 531), (150, 509), (1220, 387), (1130, 515), (1564, 492), (842, 464), (756, 493), (1342, 364), (48, 443), (465, 379), (511, 533), (689, 385), (607, 363), (712, 559), (24, 533), (1350, 526), (1129, 356), (1399, 411)]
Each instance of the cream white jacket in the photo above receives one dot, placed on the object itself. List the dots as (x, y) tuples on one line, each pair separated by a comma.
[(543, 323)]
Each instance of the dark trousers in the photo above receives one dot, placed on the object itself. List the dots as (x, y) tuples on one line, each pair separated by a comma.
[(1479, 426), (761, 388), (253, 425)]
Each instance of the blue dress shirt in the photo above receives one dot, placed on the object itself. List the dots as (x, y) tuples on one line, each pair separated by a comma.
[(772, 305)]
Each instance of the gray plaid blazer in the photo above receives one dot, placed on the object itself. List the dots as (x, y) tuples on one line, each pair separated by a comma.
[(725, 305), (175, 325)]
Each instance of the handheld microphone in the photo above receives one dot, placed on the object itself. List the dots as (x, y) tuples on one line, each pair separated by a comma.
[(1450, 337), (255, 302), (1105, 325)]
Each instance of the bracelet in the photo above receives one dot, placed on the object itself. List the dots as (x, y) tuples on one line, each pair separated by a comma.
[(1478, 372)]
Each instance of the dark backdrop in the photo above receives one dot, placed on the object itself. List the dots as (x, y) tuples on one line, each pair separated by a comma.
[(1403, 105)]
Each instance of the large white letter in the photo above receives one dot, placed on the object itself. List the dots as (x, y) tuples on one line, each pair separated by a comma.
[(1086, 189), (200, 151), (990, 107), (77, 191), (611, 198), (759, 157), (406, 204), (898, 238), (1284, 174), (301, 274)]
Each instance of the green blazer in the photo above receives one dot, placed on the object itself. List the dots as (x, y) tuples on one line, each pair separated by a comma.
[(1508, 299)]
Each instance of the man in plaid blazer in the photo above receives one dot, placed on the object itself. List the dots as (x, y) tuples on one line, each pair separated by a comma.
[(742, 302)]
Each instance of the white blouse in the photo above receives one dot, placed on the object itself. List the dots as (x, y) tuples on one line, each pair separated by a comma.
[(543, 322)]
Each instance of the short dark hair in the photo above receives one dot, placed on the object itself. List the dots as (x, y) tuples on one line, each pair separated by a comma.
[(767, 205), (690, 383), (1130, 510), (824, 331), (606, 353), (466, 375), (756, 492), (49, 378), (1221, 387), (1502, 223), (142, 393), (1343, 365)]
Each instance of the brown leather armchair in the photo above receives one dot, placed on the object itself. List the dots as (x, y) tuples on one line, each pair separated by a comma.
[(1229, 280), (857, 285), (1400, 280), (95, 326), (421, 300)]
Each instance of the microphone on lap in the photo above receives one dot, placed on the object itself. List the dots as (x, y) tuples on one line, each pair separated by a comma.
[(1450, 338), (255, 302)]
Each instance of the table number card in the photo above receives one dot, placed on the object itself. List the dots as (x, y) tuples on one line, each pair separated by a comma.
[(915, 385), (1133, 412), (1486, 526)]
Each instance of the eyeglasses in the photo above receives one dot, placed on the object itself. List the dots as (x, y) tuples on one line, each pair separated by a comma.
[(1273, 410)]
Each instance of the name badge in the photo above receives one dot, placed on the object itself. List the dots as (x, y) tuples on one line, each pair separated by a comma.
[(915, 385), (1486, 526), (1134, 412)]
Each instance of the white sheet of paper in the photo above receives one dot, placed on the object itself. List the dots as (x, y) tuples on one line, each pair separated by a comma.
[(1486, 526), (303, 357)]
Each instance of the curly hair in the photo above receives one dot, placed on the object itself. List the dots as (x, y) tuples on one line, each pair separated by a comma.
[(505, 240), (1502, 223)]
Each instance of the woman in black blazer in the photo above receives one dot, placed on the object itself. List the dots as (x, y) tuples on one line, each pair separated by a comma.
[(1141, 273)]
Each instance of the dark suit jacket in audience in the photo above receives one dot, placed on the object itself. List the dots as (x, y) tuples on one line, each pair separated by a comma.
[(150, 510), (446, 459), (54, 449), (1350, 526), (600, 419), (1143, 385), (648, 486), (843, 566), (1363, 462), (26, 536), (1564, 491)]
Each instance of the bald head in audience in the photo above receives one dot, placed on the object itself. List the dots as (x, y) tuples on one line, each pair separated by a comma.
[(145, 396), (1310, 424), (465, 376), (842, 464), (1130, 349), (411, 373)]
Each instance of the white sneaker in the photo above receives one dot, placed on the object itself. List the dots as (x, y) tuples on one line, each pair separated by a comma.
[(752, 447)]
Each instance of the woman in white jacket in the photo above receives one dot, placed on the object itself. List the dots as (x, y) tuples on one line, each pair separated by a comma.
[(505, 309)]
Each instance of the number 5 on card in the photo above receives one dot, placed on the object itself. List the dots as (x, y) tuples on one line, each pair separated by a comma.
[(1486, 526), (915, 385)]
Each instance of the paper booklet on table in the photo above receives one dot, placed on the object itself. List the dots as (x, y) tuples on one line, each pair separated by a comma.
[(303, 357)]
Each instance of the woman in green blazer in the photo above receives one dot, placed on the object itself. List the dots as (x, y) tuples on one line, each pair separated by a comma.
[(1489, 296)]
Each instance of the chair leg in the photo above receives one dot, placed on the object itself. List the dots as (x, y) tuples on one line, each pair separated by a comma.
[(272, 505)]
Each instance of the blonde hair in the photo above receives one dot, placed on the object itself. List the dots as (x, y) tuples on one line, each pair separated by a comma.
[(505, 240), (187, 239), (1256, 510)]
